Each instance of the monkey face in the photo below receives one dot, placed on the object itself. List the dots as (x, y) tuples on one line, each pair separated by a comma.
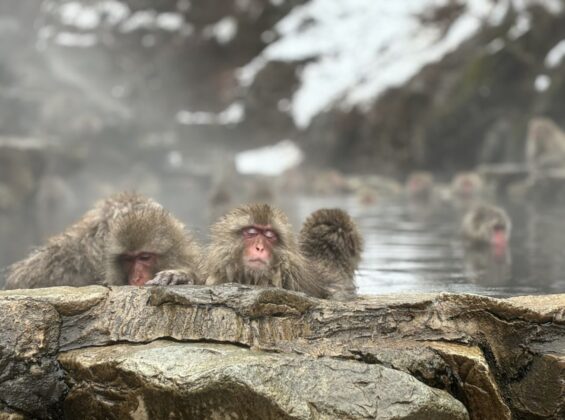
[(499, 240), (139, 267), (259, 243)]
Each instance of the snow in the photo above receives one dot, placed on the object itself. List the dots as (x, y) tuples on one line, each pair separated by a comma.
[(88, 17), (223, 31), (495, 46), (114, 11), (523, 24), (69, 39), (542, 82), (233, 114), (142, 19), (171, 22), (358, 49), (74, 14), (270, 160), (555, 55)]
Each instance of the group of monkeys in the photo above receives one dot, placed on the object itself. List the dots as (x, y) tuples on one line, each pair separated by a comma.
[(130, 239)]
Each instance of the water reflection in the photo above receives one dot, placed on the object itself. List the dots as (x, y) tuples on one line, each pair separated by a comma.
[(419, 249)]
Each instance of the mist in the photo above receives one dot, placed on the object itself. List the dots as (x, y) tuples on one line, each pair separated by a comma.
[(299, 103)]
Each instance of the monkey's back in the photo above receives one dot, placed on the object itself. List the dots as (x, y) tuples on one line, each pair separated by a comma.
[(76, 256), (332, 243)]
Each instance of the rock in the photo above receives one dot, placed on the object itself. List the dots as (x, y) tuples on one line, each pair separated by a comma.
[(30, 377), (173, 380), (499, 358)]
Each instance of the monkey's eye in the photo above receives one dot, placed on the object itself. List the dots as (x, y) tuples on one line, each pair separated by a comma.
[(145, 256), (269, 234), (499, 227), (250, 231)]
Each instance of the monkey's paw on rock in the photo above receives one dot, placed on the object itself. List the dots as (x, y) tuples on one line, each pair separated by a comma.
[(170, 278)]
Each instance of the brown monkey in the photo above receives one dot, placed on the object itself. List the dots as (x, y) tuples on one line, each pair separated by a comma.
[(332, 243), (545, 146), (150, 246), (467, 186), (487, 226), (254, 244), (124, 239), (420, 186)]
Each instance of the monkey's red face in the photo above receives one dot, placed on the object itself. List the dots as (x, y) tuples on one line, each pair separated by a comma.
[(499, 240), (139, 266), (468, 185), (259, 242)]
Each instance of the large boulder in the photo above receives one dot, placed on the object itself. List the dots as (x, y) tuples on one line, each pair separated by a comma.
[(201, 381), (209, 352)]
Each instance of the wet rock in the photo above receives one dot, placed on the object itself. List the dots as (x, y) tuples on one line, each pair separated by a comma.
[(499, 358), (164, 380), (30, 377)]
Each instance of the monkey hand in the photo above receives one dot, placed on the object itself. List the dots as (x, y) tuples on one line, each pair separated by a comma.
[(170, 278)]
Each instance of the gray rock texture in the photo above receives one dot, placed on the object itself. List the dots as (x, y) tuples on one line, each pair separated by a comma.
[(217, 352)]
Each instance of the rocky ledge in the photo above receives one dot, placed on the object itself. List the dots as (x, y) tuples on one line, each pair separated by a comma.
[(237, 352)]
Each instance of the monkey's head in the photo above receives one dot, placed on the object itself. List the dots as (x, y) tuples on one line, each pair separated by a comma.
[(488, 225), (332, 235), (540, 130), (249, 244), (142, 242), (419, 185), (467, 185)]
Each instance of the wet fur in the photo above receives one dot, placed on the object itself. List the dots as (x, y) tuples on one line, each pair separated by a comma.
[(478, 224), (332, 243), (295, 267), (84, 253)]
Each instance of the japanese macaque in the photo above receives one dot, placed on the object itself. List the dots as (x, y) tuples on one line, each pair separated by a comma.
[(420, 186), (467, 186), (487, 226), (254, 244), (330, 182), (124, 239), (545, 146), (150, 246), (332, 243), (367, 196)]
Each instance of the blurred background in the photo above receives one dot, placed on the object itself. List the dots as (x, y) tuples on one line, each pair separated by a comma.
[(206, 104)]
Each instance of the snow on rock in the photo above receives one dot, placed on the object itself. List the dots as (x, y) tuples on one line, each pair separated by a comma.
[(555, 55), (542, 82), (223, 31), (361, 48), (69, 39), (270, 160), (233, 114), (88, 17)]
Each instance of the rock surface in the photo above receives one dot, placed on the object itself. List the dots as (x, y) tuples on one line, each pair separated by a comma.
[(173, 380), (268, 353)]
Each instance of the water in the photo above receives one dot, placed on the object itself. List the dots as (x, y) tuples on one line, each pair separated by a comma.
[(416, 248), (408, 248)]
